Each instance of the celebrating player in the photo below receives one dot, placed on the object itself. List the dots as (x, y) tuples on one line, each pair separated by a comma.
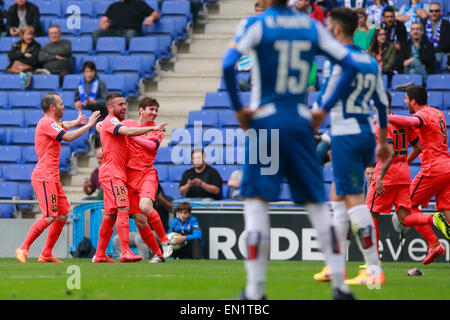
[(353, 142), (45, 178), (282, 44), (143, 180), (434, 176), (113, 178)]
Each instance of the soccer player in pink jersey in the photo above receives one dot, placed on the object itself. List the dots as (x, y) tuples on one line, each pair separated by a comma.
[(434, 176), (45, 178), (143, 179), (113, 178)]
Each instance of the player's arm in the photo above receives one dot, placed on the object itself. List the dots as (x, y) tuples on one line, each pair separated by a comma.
[(79, 121), (405, 121), (139, 131), (417, 149), (149, 145), (74, 134), (379, 188)]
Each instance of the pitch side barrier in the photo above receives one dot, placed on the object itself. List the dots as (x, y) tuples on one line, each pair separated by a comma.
[(292, 236)]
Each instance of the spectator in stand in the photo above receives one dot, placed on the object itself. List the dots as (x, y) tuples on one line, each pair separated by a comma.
[(417, 56), (413, 12), (234, 182), (91, 92), (363, 35), (437, 31), (384, 51), (375, 13), (189, 236), (396, 33), (56, 56), (352, 4), (23, 56), (124, 19), (311, 8), (93, 183), (201, 181), (21, 14)]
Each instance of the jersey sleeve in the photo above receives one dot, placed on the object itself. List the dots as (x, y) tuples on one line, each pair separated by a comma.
[(248, 35), (112, 126), (413, 136), (54, 130)]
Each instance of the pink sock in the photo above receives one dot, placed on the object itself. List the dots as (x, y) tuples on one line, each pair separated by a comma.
[(35, 231), (155, 222), (105, 233), (53, 235)]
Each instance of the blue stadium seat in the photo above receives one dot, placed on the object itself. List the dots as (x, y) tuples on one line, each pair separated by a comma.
[(42, 41), (6, 211), (438, 82), (85, 8), (100, 8), (81, 44), (171, 189), (115, 83), (186, 137), (62, 23), (447, 100), (285, 193), (130, 67), (20, 136), (399, 79), (18, 172), (207, 118), (176, 172), (110, 45), (29, 154), (10, 81), (71, 81), (401, 112), (436, 99), (11, 154), (4, 104), (163, 172), (163, 156), (6, 43), (384, 77), (227, 119), (217, 100), (176, 8), (4, 135), (48, 82), (398, 99), (49, 9), (64, 159), (32, 117), (101, 62), (225, 191), (88, 25), (4, 62), (68, 98), (25, 99), (11, 118), (414, 170), (8, 189), (165, 30), (26, 192), (225, 171), (153, 4), (312, 97), (144, 45), (320, 60), (327, 174)]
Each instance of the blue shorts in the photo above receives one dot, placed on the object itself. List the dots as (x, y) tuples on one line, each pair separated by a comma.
[(350, 156), (294, 152)]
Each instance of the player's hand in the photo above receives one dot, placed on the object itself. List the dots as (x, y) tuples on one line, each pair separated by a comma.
[(384, 152), (244, 116), (379, 188), (81, 120), (93, 118), (160, 127), (318, 116)]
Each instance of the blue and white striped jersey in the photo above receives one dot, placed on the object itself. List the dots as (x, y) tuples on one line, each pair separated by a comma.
[(351, 114), (282, 45)]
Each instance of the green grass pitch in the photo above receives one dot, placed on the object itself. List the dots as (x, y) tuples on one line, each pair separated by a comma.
[(205, 280)]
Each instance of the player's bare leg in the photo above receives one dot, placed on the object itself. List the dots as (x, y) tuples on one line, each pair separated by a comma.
[(146, 233)]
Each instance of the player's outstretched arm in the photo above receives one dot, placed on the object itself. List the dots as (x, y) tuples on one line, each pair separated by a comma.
[(139, 131), (149, 145), (79, 121), (74, 134), (404, 121)]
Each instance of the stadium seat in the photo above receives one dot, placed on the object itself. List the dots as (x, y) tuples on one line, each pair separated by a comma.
[(71, 81), (225, 171), (49, 9), (101, 62), (176, 172), (163, 156), (217, 100), (4, 104), (153, 4), (176, 8), (80, 45), (20, 136), (398, 100), (165, 30), (8, 189), (64, 159), (100, 8), (447, 100), (88, 25), (320, 60), (438, 82), (84, 8), (29, 154), (245, 97), (26, 192), (327, 174), (436, 99), (171, 189), (32, 117), (130, 67), (10, 81), (148, 49), (10, 154), (207, 118), (48, 82), (42, 41), (285, 193), (6, 43), (25, 99), (312, 97), (163, 172), (227, 119), (4, 62), (400, 79), (186, 136), (6, 211), (401, 112), (18, 172), (11, 118), (62, 23), (414, 170), (68, 98), (115, 83), (110, 45)]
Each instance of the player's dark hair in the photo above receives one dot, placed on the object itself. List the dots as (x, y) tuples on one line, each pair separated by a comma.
[(346, 18), (257, 4), (48, 100), (184, 206), (89, 64), (418, 93), (112, 96), (389, 9), (147, 102)]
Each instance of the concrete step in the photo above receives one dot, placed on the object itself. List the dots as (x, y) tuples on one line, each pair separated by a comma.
[(210, 45), (210, 63), (188, 82), (234, 7)]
